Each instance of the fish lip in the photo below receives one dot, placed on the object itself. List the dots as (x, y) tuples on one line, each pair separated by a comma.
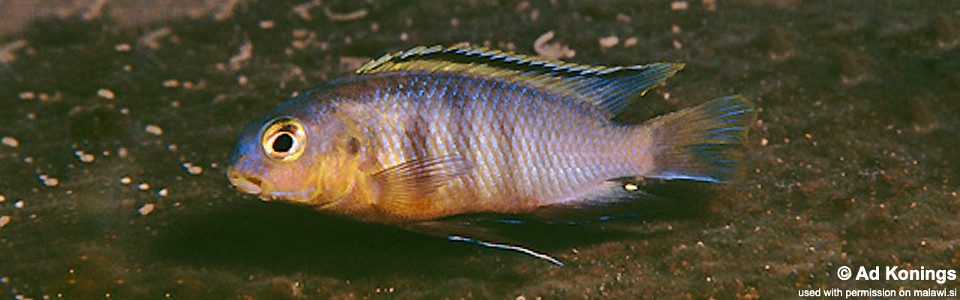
[(254, 186), (244, 184)]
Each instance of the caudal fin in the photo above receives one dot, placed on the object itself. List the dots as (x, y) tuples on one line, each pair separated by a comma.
[(698, 143)]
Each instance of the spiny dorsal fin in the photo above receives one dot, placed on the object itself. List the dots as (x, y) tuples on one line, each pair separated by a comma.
[(608, 88)]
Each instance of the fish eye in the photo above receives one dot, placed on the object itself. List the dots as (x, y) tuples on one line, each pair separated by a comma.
[(283, 139)]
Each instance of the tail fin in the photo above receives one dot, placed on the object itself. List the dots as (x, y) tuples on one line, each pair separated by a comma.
[(696, 143)]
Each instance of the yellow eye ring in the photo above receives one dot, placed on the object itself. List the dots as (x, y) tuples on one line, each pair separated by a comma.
[(283, 139)]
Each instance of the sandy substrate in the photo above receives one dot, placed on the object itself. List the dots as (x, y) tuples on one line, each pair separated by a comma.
[(118, 117)]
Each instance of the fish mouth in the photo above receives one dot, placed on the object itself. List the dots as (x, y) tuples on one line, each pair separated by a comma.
[(255, 186), (245, 184)]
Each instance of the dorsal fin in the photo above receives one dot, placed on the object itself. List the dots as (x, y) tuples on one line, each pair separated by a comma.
[(607, 88)]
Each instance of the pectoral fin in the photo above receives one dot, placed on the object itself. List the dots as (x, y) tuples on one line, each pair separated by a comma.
[(405, 187)]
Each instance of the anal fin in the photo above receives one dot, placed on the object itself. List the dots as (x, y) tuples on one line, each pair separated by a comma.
[(612, 199)]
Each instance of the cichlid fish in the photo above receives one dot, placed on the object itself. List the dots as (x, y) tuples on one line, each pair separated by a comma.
[(433, 132)]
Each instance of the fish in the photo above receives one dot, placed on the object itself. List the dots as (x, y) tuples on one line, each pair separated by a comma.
[(428, 133)]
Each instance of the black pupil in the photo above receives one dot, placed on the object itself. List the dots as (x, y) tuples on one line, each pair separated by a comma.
[(283, 143)]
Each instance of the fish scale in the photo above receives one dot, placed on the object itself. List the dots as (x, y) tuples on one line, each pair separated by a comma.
[(433, 132), (555, 159)]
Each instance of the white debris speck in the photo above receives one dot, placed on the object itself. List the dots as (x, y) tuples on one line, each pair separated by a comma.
[(154, 130), (303, 10), (28, 95), (163, 192), (764, 141), (84, 157), (143, 186), (152, 39), (124, 47), (242, 80), (303, 38), (630, 42), (3, 198), (171, 83), (675, 29), (677, 45), (122, 152), (4, 220), (106, 94), (404, 36), (10, 141), (552, 50), (8, 51), (610, 41), (145, 209), (357, 14), (49, 181), (245, 53), (193, 169), (679, 5), (267, 24), (125, 180), (18, 204)]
